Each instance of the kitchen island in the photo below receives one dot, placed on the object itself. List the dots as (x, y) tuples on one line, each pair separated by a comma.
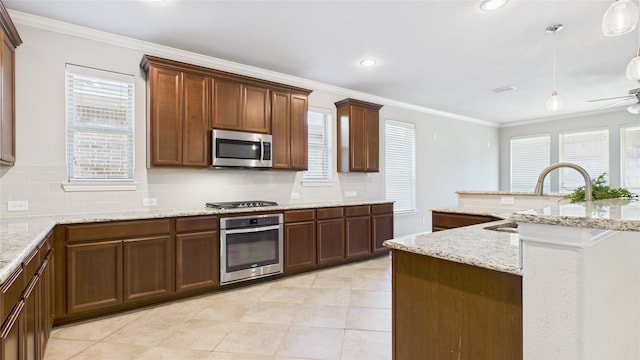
[(490, 293)]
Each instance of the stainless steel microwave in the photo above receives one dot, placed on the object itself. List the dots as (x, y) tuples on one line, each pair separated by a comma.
[(240, 149)]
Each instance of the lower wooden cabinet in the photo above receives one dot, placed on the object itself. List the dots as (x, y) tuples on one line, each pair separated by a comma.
[(444, 221), (148, 268), (381, 226), (357, 231), (94, 276), (12, 334), (330, 235), (447, 310), (299, 240), (25, 298), (197, 253)]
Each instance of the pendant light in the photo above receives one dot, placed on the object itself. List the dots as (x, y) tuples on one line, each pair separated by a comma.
[(620, 18), (633, 69), (555, 101)]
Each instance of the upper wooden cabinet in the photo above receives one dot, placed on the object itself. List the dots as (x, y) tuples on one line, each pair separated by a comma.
[(240, 107), (358, 136), (186, 101), (289, 130), (9, 40), (179, 118)]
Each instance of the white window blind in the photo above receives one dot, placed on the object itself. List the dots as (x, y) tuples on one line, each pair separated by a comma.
[(529, 156), (319, 144), (400, 165), (100, 125), (588, 149), (630, 158)]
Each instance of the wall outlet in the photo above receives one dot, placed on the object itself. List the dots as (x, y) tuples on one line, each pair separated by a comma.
[(22, 205), (295, 195), (149, 202), (507, 200), (350, 193)]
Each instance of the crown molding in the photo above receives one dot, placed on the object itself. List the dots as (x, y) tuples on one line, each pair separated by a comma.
[(563, 117), (220, 64)]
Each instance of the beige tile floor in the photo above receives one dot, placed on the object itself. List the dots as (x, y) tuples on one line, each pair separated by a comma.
[(338, 313)]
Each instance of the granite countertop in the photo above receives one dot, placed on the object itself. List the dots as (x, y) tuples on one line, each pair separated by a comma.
[(473, 245), (612, 214), (19, 236)]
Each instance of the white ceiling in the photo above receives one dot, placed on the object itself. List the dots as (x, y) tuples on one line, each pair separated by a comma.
[(445, 55)]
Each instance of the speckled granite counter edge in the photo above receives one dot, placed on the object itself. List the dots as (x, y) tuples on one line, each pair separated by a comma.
[(580, 222), (23, 242), (453, 240)]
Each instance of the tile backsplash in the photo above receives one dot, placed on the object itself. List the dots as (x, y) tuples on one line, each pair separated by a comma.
[(42, 187)]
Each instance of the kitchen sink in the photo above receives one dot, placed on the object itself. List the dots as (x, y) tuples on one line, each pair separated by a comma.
[(509, 227)]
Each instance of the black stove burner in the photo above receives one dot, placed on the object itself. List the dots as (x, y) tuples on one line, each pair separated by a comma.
[(241, 204)]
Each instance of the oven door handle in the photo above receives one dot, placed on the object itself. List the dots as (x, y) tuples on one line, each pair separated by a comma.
[(251, 230)]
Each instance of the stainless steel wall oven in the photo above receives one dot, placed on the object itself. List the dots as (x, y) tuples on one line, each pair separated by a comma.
[(250, 247)]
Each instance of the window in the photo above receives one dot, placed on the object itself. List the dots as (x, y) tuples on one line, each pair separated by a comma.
[(100, 125), (630, 158), (319, 143), (400, 165), (588, 149), (529, 156)]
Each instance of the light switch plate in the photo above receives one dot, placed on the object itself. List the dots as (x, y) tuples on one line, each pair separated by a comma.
[(507, 200), (295, 195), (22, 205), (149, 202)]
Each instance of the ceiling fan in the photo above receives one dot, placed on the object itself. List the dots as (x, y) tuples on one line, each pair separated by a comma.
[(634, 94)]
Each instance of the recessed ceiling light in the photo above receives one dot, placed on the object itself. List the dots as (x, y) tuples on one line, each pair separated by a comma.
[(367, 62), (489, 5)]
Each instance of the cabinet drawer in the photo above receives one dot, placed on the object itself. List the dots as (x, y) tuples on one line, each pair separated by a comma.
[(329, 213), (117, 230), (196, 223), (10, 292), (299, 215), (45, 246), (352, 211), (31, 264), (382, 209), (447, 220)]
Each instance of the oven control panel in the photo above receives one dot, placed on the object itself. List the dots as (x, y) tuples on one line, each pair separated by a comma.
[(250, 221)]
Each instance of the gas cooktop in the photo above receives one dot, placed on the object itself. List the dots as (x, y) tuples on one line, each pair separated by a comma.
[(241, 204)]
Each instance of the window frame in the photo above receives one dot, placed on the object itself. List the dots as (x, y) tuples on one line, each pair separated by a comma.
[(73, 75), (328, 149), (534, 175), (623, 158), (398, 208), (562, 158)]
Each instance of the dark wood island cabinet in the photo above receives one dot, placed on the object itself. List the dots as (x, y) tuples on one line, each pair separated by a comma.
[(449, 310)]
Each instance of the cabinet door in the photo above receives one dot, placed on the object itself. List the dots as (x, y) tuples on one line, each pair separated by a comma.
[(280, 129), (299, 245), (94, 276), (147, 268), (382, 230), (12, 334), (195, 141), (357, 125), (7, 119), (32, 316), (372, 134), (165, 87), (46, 302), (299, 132), (358, 238), (226, 105), (256, 109), (330, 241), (197, 260)]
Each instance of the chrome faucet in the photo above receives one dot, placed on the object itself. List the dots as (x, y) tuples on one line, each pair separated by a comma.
[(583, 172)]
